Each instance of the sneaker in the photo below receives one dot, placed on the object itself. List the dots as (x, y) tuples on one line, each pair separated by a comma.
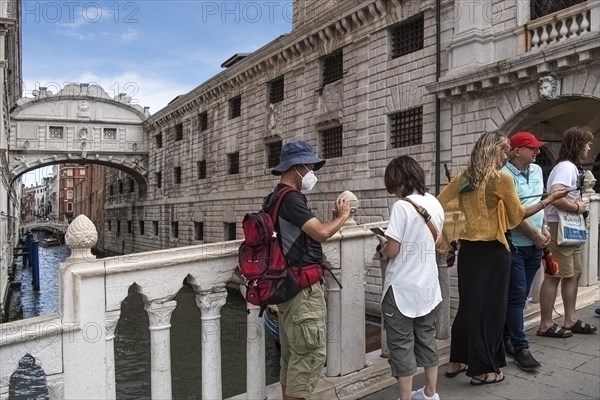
[(420, 395), (525, 360), (508, 347)]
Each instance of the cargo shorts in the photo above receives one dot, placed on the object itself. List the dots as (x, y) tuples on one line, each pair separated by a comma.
[(303, 337)]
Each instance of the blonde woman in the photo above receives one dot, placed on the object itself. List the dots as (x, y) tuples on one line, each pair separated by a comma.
[(489, 202)]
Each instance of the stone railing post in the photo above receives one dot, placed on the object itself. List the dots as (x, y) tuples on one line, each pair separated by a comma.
[(255, 354), (210, 304), (589, 251), (346, 307), (160, 348), (112, 318)]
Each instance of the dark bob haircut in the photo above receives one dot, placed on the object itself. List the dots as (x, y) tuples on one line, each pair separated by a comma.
[(405, 174)]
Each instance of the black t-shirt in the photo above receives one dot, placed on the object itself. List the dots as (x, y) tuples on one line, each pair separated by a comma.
[(298, 247)]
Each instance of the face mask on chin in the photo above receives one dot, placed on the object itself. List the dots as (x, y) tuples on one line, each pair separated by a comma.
[(308, 181)]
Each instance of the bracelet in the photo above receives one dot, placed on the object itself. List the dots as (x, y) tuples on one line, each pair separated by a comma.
[(543, 205), (577, 211)]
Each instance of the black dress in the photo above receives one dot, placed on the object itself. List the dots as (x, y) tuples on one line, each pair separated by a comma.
[(477, 330)]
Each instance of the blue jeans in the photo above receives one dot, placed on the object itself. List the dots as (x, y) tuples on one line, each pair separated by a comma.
[(525, 261)]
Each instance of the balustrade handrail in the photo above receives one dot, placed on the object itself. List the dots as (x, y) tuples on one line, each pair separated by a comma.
[(562, 14)]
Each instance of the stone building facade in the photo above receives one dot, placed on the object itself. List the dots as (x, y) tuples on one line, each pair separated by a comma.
[(89, 197), (364, 82), (10, 90)]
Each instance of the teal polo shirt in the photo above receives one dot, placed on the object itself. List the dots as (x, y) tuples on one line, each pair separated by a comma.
[(528, 183)]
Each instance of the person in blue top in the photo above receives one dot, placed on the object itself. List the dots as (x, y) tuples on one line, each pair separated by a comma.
[(528, 239)]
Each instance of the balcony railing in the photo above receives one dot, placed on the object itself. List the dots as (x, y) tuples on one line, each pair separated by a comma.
[(559, 27)]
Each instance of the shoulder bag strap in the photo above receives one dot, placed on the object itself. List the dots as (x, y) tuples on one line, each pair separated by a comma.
[(423, 212)]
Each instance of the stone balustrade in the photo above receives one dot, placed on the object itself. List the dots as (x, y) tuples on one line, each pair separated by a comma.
[(75, 348), (561, 26)]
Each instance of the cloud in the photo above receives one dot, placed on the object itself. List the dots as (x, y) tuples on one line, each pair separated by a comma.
[(129, 35)]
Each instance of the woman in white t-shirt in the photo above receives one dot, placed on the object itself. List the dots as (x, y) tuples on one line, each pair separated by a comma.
[(565, 174), (411, 289)]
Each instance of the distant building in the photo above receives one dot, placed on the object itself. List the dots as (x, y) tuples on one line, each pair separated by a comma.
[(70, 175), (89, 198)]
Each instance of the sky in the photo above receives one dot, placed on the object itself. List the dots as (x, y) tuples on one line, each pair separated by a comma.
[(152, 50)]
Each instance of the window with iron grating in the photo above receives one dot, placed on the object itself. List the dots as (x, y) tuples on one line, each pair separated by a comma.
[(233, 163), (331, 140), (276, 90), (201, 165), (198, 230), (407, 36), (235, 107), (540, 8), (177, 174), (142, 226), (545, 161), (203, 121), (333, 67), (56, 132), (158, 141), (175, 229), (229, 231), (110, 133), (154, 228), (273, 153), (406, 127), (179, 132)]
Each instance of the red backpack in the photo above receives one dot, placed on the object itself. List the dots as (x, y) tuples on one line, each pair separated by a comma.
[(262, 264)]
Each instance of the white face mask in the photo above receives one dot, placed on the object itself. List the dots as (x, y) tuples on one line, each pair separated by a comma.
[(309, 180)]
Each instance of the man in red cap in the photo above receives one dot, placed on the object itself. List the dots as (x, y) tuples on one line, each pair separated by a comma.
[(528, 239)]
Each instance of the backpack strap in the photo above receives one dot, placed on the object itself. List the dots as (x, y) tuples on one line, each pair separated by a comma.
[(276, 200), (426, 216)]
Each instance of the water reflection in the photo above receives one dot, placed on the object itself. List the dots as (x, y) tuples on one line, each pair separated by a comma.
[(46, 300), (132, 348)]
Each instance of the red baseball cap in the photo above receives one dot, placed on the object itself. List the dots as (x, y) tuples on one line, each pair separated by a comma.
[(524, 139)]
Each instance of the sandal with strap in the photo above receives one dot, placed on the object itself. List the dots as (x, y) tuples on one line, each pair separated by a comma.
[(556, 332), (581, 327), (495, 378), (461, 368)]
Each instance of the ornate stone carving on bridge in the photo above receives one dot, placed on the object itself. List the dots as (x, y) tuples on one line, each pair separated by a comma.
[(354, 205), (81, 234), (83, 109), (589, 181), (549, 87), (159, 314), (210, 303)]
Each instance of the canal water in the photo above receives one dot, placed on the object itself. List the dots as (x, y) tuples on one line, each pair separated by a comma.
[(132, 337)]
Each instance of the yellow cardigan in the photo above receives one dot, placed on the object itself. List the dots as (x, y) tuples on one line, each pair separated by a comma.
[(485, 213)]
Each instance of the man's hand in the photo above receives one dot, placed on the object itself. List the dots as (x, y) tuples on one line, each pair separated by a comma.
[(342, 208), (540, 240)]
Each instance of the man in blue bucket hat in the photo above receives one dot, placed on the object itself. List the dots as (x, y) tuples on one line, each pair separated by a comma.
[(302, 318)]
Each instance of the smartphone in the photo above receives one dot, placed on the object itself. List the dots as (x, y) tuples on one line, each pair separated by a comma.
[(377, 231)]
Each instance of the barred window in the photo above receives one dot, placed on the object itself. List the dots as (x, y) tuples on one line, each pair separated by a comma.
[(131, 185), (142, 231), (333, 67), (233, 163), (118, 228), (273, 153), (203, 121), (129, 227), (235, 107), (109, 133), (178, 132), (545, 161), (155, 228), (120, 187), (177, 174), (198, 230), (109, 225), (175, 229), (201, 165), (407, 36), (406, 127), (276, 90), (540, 8), (56, 132), (332, 142), (158, 141), (229, 231), (158, 179)]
